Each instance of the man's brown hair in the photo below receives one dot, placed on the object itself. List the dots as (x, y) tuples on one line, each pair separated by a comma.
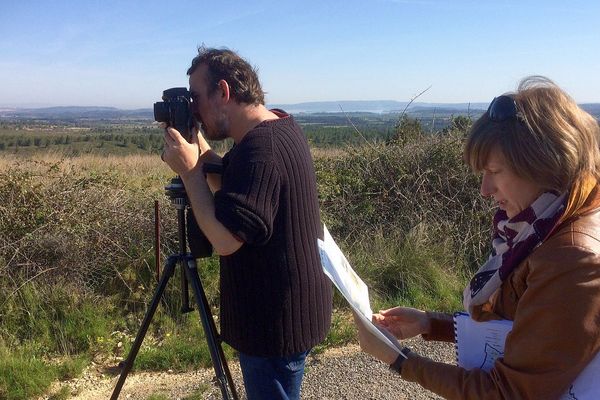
[(225, 64)]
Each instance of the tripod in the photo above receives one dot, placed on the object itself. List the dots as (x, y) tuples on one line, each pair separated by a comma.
[(187, 262)]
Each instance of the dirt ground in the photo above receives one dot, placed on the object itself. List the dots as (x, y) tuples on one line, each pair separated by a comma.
[(340, 373)]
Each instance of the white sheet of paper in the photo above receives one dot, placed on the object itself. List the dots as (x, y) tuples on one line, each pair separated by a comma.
[(354, 290)]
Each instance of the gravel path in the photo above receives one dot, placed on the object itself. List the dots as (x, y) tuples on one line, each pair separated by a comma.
[(341, 373)]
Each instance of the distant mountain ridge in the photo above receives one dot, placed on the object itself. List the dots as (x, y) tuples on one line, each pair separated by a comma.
[(348, 106), (376, 106), (76, 112)]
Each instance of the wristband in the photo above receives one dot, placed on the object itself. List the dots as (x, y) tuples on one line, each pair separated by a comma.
[(396, 366)]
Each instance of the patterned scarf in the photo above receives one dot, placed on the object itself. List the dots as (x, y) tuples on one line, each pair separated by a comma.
[(513, 240)]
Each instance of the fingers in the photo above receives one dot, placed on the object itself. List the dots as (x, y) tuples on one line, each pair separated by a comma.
[(399, 311), (391, 311), (174, 134), (378, 319), (195, 134), (171, 139)]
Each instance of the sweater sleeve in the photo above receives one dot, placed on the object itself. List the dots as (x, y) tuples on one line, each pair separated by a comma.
[(248, 201), (556, 333)]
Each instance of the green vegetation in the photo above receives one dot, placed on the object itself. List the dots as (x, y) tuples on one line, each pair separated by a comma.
[(29, 138), (181, 347), (24, 374), (342, 331), (77, 259), (76, 268), (74, 137), (408, 214)]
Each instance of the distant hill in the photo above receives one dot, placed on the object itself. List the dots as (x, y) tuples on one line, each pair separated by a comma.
[(376, 106), (77, 113), (592, 108), (418, 109)]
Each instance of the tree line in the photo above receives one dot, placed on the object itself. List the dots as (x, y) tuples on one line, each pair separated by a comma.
[(321, 130)]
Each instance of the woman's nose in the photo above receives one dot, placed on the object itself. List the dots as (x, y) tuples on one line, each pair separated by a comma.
[(487, 187)]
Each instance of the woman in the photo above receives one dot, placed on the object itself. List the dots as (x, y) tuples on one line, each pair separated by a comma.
[(539, 157)]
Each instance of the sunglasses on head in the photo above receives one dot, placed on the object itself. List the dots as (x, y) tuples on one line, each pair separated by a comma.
[(503, 108)]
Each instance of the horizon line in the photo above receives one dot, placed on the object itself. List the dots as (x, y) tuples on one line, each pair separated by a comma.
[(36, 106)]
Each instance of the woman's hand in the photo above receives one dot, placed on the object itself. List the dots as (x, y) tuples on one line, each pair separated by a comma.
[(403, 322), (373, 345)]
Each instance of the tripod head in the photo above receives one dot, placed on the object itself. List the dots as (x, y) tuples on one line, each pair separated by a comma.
[(200, 246)]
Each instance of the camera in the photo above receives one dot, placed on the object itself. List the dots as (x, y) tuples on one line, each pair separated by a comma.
[(175, 110)]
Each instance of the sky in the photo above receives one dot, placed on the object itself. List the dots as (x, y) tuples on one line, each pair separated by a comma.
[(125, 53)]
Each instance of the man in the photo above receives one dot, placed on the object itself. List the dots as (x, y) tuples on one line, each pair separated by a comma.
[(263, 220)]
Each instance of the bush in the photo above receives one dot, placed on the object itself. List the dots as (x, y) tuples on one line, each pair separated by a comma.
[(77, 256), (90, 228), (408, 214)]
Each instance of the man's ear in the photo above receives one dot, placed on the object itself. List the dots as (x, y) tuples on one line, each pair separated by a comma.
[(224, 88)]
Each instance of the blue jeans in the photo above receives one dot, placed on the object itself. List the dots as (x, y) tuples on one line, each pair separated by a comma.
[(273, 378)]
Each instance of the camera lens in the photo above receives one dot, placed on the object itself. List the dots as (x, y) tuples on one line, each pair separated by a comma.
[(161, 112)]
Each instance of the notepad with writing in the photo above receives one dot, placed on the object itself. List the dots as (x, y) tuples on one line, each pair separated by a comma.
[(479, 344)]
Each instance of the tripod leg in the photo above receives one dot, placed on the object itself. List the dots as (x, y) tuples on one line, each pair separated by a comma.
[(214, 344), (128, 364)]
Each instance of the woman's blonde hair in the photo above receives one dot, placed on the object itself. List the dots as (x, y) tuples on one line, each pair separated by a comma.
[(551, 141)]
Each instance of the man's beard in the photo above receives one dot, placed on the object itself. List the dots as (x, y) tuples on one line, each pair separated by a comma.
[(216, 135), (220, 133)]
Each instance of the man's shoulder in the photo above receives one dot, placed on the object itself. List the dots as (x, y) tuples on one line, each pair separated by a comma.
[(256, 145), (272, 133)]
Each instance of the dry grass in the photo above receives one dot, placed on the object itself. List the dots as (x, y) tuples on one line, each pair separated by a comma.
[(328, 152), (132, 165)]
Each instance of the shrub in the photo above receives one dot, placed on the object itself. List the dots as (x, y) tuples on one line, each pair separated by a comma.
[(419, 200), (77, 257), (91, 229)]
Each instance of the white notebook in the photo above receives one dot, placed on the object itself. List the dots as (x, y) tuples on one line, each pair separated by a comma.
[(479, 344)]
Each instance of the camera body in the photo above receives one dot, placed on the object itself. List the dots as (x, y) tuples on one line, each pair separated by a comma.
[(175, 111)]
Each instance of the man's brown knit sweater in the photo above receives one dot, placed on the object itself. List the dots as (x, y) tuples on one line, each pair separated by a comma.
[(275, 299)]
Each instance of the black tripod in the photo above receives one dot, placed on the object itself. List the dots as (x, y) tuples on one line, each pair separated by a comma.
[(187, 261)]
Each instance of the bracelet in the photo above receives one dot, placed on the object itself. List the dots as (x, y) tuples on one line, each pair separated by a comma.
[(396, 366)]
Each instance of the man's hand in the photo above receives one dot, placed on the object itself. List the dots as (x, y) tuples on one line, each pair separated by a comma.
[(403, 322), (202, 143), (179, 154)]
